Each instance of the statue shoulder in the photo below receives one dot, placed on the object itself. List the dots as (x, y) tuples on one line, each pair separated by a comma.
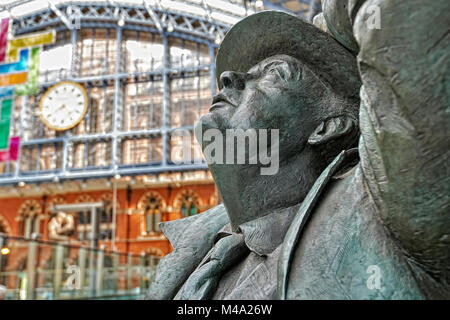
[(191, 238), (197, 227)]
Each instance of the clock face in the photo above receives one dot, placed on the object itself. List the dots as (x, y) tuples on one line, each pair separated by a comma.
[(63, 106)]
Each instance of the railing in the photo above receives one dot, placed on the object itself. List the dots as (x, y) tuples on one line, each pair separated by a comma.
[(46, 270)]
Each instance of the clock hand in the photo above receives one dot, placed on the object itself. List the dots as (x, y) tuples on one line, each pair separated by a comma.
[(59, 111), (63, 106)]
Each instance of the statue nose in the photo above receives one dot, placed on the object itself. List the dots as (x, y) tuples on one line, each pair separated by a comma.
[(233, 80)]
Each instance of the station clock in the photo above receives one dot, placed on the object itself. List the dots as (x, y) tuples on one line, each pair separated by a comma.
[(63, 105)]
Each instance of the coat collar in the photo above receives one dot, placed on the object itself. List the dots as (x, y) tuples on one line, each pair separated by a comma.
[(191, 239), (342, 163), (265, 234)]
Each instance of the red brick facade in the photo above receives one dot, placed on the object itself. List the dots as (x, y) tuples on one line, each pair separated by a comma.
[(130, 231)]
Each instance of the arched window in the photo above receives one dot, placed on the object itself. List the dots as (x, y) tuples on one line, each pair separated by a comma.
[(188, 203), (152, 205), (152, 215), (84, 218), (106, 212), (188, 208), (29, 215), (106, 216)]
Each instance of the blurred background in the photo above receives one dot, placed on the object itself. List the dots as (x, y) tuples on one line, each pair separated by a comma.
[(80, 208)]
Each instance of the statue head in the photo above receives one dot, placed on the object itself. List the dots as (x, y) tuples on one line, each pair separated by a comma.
[(276, 71), (281, 92), (60, 216)]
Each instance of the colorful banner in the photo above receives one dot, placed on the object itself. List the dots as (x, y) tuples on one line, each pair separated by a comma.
[(35, 42), (29, 41), (19, 71), (31, 85), (12, 154), (10, 74), (17, 66), (13, 79), (4, 25), (6, 95), (5, 118), (6, 92)]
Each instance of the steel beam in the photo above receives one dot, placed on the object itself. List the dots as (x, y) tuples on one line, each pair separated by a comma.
[(109, 13), (98, 174), (154, 17), (60, 15), (117, 88)]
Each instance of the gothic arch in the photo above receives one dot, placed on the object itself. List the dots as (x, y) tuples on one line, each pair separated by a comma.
[(84, 198), (186, 199), (107, 215), (29, 208), (83, 217), (108, 196), (152, 205), (29, 217), (149, 195)]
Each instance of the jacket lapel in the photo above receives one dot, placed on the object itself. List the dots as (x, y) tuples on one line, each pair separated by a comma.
[(295, 230)]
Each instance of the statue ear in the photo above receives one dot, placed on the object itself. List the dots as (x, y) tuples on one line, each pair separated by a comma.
[(331, 129)]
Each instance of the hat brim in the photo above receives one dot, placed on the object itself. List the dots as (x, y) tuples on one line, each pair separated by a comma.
[(269, 33)]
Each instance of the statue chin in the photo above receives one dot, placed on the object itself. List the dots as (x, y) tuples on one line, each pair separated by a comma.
[(206, 122)]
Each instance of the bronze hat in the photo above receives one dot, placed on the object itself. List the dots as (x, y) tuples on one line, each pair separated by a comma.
[(268, 33)]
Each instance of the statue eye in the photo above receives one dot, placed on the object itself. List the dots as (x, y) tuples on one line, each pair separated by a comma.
[(277, 72), (274, 71)]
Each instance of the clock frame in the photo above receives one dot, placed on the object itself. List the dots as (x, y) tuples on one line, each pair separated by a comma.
[(51, 89)]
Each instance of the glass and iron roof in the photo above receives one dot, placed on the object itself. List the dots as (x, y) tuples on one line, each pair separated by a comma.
[(228, 12), (225, 11)]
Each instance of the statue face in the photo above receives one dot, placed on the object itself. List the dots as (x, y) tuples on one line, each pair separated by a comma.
[(277, 93)]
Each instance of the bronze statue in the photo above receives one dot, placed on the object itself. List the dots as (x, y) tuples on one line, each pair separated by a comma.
[(345, 217), (61, 226)]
